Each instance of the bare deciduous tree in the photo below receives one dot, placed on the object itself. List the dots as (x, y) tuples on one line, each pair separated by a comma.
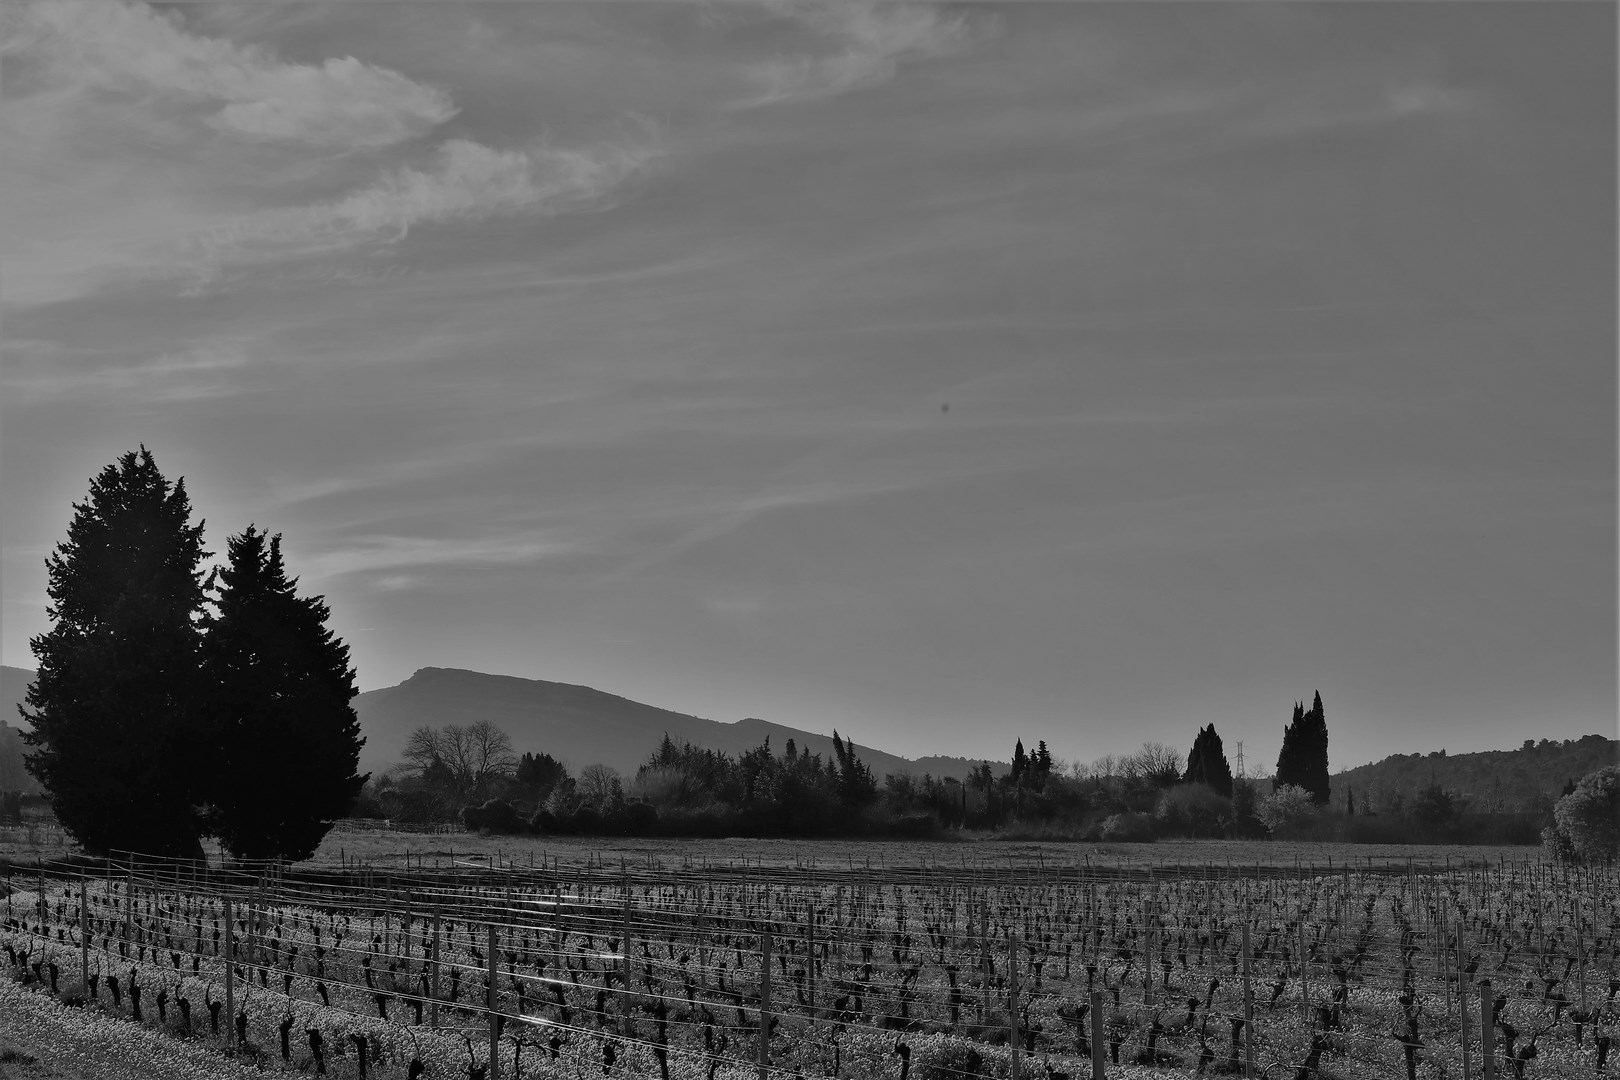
[(599, 785), (469, 759), (1158, 763)]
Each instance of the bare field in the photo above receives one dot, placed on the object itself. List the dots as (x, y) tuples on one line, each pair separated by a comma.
[(390, 849), (384, 848)]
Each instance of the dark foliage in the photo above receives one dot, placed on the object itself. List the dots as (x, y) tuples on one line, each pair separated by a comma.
[(1525, 780), (539, 773), (114, 702), (278, 689), (1304, 758), (494, 816), (1207, 764)]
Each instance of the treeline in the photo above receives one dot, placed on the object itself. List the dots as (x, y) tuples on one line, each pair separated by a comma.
[(1529, 779), (473, 776)]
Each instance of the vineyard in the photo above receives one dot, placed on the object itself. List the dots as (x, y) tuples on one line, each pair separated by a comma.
[(721, 971)]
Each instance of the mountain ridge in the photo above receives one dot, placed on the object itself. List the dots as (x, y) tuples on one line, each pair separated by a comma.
[(581, 725)]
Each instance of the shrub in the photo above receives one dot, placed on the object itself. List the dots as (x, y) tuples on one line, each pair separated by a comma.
[(1586, 822), (912, 826), (1128, 828), (1193, 810), (632, 819), (1246, 824), (1289, 810), (584, 821), (495, 816)]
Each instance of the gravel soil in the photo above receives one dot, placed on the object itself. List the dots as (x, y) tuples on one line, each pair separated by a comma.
[(42, 1039)]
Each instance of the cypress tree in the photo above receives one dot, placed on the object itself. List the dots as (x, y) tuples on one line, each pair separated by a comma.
[(1303, 761), (287, 740), (1317, 763), (1207, 764), (1020, 762), (113, 707)]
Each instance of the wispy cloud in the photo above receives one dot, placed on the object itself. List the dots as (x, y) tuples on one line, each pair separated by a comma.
[(40, 370), (132, 49), (373, 554), (467, 182), (871, 41)]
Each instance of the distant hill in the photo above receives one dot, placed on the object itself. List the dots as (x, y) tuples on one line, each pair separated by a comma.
[(575, 724), (1531, 777), (581, 726), (14, 683), (13, 777)]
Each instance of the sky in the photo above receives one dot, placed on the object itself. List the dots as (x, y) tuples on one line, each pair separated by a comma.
[(941, 374)]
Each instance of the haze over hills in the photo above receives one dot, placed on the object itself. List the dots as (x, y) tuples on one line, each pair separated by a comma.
[(1527, 778), (581, 726)]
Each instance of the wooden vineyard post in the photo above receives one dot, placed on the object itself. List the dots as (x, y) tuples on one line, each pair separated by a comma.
[(1487, 1031), (556, 924), (625, 1005), (764, 1002), (1248, 997), (494, 1018), (1147, 954), (1462, 998), (84, 938), (810, 947), (1012, 1007), (1580, 943), (433, 968), (1440, 954), (984, 955), (838, 923), (129, 898), (1099, 1057), (1304, 975), (230, 967)]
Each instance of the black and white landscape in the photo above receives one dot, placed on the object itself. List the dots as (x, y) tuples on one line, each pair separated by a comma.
[(943, 375)]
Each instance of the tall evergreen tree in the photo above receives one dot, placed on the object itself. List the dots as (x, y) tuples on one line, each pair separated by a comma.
[(1020, 762), (1207, 764), (1304, 757), (112, 708), (279, 687), (856, 784)]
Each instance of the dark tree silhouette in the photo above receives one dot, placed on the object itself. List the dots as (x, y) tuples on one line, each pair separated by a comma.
[(1304, 757), (112, 707), (541, 772), (1207, 763), (856, 785), (279, 686)]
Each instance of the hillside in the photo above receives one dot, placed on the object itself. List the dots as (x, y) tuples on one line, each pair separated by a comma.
[(1528, 778), (581, 726), (14, 682), (13, 777), (575, 724)]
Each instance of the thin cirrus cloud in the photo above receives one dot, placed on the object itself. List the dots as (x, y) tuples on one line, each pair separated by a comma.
[(871, 41), (38, 372), (467, 182), (375, 554), (132, 49)]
